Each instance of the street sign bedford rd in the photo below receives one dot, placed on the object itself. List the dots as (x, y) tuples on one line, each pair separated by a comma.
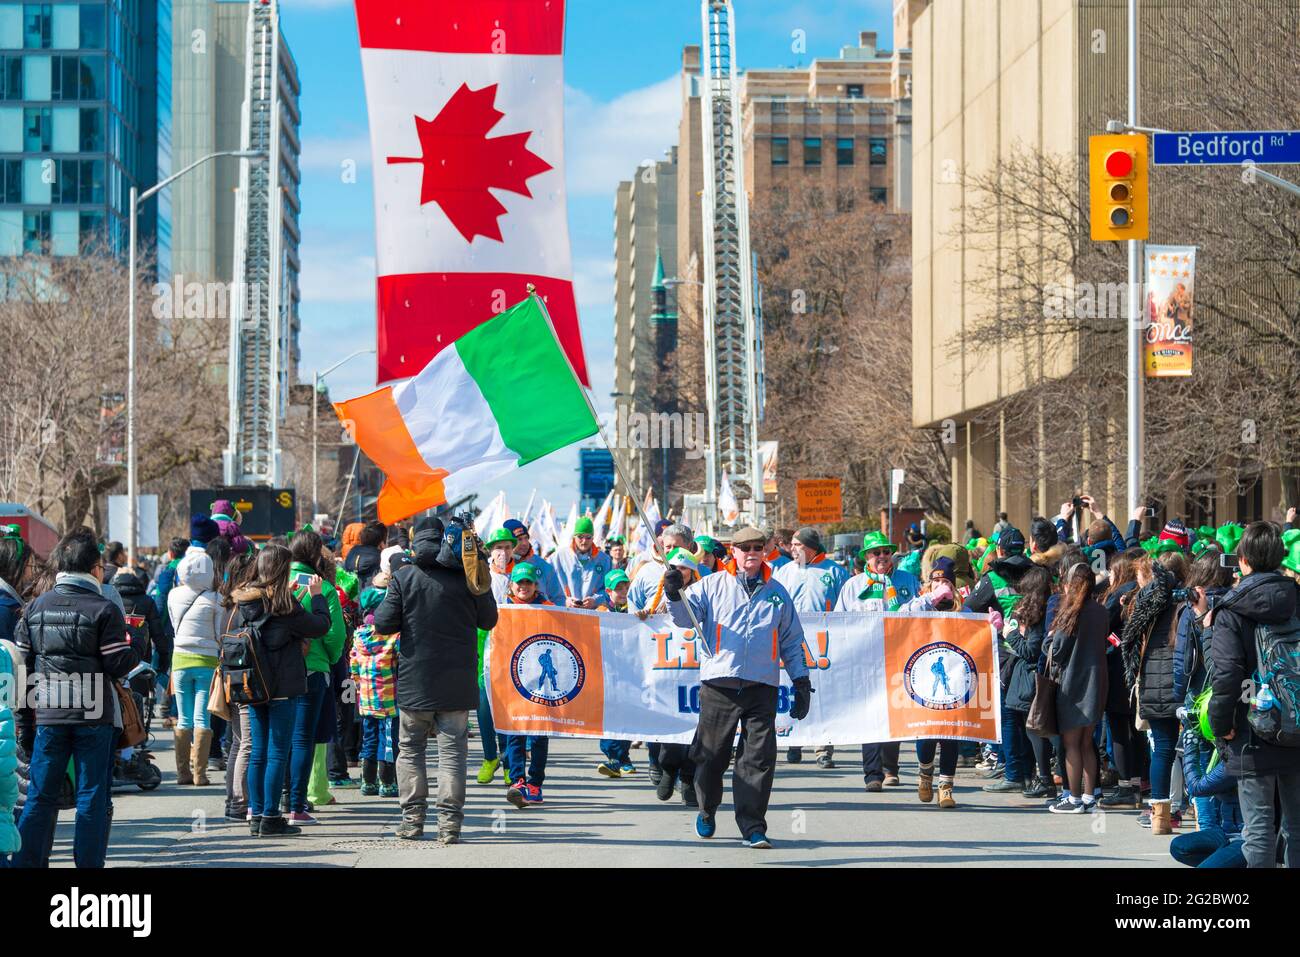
[(1262, 147)]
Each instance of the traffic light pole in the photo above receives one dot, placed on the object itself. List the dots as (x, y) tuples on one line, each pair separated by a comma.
[(1136, 311)]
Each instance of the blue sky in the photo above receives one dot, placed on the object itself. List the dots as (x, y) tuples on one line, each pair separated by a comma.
[(622, 103)]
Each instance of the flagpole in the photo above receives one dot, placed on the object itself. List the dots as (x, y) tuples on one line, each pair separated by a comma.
[(618, 465)]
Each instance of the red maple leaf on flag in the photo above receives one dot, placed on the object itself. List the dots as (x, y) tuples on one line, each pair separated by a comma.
[(461, 165)]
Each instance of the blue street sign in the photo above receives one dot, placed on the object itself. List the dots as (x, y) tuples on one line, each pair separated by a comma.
[(1262, 147)]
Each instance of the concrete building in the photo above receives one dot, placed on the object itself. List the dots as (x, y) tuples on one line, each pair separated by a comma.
[(991, 79), (645, 233), (85, 114), (208, 65)]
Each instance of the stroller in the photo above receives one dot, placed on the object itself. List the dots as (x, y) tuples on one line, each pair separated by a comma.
[(139, 770)]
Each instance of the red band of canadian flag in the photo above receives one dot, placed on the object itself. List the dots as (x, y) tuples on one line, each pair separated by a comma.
[(523, 27), (421, 314)]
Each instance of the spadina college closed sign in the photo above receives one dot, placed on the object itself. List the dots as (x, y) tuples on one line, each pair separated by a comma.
[(1171, 281), (820, 502)]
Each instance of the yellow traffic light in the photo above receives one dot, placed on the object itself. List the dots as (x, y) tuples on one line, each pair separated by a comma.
[(1117, 186)]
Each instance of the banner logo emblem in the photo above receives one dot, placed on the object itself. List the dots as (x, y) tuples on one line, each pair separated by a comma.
[(940, 676), (548, 670)]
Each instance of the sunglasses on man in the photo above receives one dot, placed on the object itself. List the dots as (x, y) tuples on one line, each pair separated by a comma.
[(749, 547)]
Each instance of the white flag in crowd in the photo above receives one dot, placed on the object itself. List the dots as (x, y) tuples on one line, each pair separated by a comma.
[(727, 503)]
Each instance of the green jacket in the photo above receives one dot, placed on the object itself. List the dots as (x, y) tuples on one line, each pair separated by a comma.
[(324, 651)]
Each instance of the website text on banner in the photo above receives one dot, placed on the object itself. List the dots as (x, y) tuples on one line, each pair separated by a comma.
[(878, 677)]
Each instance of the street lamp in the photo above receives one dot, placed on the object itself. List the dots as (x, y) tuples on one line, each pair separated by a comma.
[(315, 431), (136, 198)]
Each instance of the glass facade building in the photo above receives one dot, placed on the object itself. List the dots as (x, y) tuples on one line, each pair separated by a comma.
[(85, 113)]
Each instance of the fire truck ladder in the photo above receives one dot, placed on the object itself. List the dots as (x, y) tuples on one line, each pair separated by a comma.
[(729, 328), (258, 330)]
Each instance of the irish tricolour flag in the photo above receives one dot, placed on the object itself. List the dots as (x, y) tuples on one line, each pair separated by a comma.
[(502, 395), (466, 103)]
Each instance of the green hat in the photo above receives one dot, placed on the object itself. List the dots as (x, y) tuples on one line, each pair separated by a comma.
[(584, 526), (14, 533), (874, 540), (705, 543), (682, 559), (1149, 544), (1291, 542), (1164, 546), (1228, 535), (615, 578), (524, 572), (500, 535), (615, 540)]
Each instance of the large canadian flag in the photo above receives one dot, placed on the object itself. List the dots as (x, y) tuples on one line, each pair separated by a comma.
[(467, 131)]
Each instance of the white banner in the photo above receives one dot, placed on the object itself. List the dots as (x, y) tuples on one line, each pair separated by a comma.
[(876, 677)]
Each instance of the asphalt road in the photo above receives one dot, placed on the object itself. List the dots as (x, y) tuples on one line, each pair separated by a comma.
[(817, 818)]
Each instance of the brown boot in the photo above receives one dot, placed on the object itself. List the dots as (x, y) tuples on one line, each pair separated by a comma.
[(184, 737), (202, 745), (1160, 821), (925, 784)]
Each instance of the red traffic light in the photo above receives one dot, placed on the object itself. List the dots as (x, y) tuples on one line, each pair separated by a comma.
[(1119, 163)]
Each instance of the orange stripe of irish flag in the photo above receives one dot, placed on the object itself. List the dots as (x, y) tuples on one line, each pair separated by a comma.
[(411, 485)]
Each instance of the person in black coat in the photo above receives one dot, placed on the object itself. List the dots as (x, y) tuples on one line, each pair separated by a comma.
[(363, 558), (431, 605), (283, 629), (1262, 597), (1022, 648), (148, 637), (1076, 649), (1147, 645), (1130, 749)]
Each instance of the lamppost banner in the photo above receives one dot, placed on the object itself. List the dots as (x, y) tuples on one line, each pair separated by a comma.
[(1171, 281)]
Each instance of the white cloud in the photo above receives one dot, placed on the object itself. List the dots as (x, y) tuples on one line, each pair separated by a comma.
[(593, 282), (605, 142), (327, 154), (338, 273)]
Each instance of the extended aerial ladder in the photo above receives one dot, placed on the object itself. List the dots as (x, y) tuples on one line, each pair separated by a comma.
[(259, 327), (730, 337)]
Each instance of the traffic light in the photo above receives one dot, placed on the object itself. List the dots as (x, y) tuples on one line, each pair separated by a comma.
[(1117, 186)]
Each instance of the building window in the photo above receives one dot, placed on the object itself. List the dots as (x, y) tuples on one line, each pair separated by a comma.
[(879, 195), (36, 26), (65, 187), (779, 105), (66, 34), (92, 28), (844, 151), (37, 129), (780, 151), (879, 150), (11, 182), (92, 232), (11, 78), (36, 231), (11, 26), (853, 91), (92, 130), (812, 151)]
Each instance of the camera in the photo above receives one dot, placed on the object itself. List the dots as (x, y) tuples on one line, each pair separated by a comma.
[(1182, 594)]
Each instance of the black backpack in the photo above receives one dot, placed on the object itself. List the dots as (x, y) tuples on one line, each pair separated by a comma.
[(243, 661), (1277, 648)]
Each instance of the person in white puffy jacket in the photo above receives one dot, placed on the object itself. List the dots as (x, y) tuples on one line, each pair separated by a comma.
[(196, 616)]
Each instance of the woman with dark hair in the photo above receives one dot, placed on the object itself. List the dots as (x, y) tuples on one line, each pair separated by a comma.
[(1207, 582), (1022, 638), (1076, 656), (241, 572), (308, 561), (16, 567), (1128, 744), (1147, 646), (284, 628)]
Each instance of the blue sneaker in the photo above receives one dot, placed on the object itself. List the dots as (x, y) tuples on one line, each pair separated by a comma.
[(705, 826), (533, 794), (758, 840), (627, 767)]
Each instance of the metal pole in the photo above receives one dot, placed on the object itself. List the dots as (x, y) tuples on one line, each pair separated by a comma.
[(315, 442), (131, 504), (1136, 310)]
